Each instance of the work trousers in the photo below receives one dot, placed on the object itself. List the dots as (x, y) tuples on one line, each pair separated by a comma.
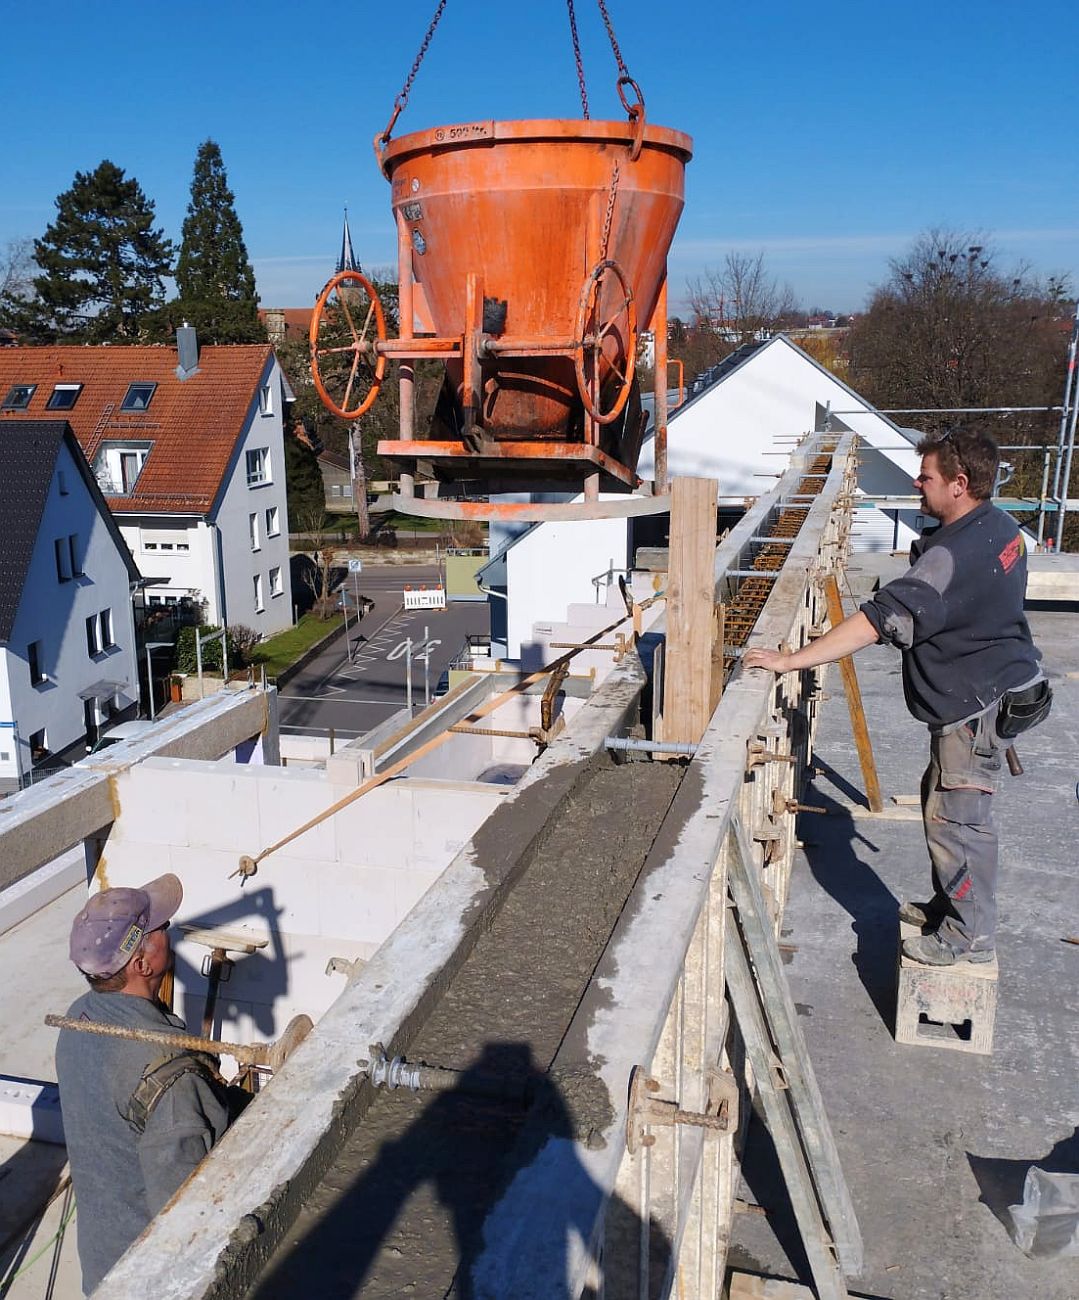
[(957, 809)]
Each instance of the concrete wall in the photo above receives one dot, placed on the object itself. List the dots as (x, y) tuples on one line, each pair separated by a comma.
[(337, 891), (54, 613)]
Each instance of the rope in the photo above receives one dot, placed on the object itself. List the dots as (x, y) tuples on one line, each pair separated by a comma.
[(69, 1199), (577, 57)]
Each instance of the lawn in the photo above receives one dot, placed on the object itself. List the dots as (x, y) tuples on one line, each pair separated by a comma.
[(281, 651)]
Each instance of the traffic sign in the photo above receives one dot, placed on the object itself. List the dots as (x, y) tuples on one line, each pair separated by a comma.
[(355, 566)]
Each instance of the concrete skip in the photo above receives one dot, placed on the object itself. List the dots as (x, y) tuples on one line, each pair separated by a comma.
[(42, 822), (217, 1233)]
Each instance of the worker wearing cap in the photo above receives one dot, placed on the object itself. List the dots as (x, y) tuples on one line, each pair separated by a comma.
[(137, 1120)]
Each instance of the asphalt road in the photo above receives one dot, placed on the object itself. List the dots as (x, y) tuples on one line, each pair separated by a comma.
[(352, 695)]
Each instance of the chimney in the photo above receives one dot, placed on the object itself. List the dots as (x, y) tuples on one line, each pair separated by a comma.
[(187, 346)]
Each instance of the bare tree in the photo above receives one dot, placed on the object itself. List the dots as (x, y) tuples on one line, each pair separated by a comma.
[(17, 268), (742, 301), (311, 524)]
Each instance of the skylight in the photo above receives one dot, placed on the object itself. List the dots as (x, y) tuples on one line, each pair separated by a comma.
[(18, 398), (138, 397), (63, 397)]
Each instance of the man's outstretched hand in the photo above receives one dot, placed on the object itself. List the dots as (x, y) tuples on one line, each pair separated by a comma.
[(774, 660)]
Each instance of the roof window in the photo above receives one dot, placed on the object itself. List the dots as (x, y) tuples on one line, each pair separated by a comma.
[(63, 397), (18, 397), (138, 397)]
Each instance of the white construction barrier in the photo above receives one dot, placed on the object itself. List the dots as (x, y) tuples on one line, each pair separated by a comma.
[(425, 597)]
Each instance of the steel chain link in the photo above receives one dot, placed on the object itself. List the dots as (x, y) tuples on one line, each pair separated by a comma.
[(402, 99), (577, 56), (613, 39), (615, 174)]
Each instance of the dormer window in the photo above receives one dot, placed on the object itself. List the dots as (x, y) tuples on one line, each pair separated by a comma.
[(138, 397), (18, 397), (63, 397), (118, 465)]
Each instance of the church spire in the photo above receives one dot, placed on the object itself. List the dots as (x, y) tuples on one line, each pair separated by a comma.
[(347, 260)]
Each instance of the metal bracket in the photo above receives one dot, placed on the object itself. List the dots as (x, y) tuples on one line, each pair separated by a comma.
[(759, 754), (646, 1110), (781, 804)]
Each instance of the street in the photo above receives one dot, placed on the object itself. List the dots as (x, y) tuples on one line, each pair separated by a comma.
[(352, 696)]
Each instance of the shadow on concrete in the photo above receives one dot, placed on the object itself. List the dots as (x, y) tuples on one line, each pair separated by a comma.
[(830, 851), (445, 1163), (31, 1177), (1001, 1181), (763, 1178)]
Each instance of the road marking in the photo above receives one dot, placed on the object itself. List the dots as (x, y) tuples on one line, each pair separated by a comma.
[(336, 699)]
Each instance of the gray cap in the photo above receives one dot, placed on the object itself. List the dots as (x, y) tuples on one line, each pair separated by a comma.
[(108, 930)]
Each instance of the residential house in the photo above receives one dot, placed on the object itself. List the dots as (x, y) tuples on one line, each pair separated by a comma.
[(336, 480), (67, 638), (190, 458)]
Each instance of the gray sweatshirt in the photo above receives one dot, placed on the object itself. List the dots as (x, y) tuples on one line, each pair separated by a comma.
[(957, 615), (122, 1179)]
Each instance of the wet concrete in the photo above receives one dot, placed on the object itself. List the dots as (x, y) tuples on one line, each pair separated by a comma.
[(401, 1209)]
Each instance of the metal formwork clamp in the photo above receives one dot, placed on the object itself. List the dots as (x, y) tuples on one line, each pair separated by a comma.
[(758, 754), (646, 1110), (781, 804)]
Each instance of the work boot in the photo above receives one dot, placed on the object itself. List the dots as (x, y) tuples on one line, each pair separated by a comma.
[(935, 950), (924, 915)]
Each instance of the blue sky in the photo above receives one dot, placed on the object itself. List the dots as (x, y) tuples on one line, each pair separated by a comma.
[(826, 135)]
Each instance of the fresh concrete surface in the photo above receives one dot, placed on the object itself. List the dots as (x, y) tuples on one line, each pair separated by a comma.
[(935, 1143)]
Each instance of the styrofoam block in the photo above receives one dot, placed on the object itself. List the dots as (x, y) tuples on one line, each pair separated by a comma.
[(153, 805), (30, 1108), (358, 901)]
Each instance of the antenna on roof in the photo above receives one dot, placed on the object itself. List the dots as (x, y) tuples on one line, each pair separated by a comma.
[(347, 260)]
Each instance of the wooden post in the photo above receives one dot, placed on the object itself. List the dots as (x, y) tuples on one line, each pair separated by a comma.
[(687, 689), (854, 703)]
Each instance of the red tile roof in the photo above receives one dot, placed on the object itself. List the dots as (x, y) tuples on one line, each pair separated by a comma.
[(193, 424)]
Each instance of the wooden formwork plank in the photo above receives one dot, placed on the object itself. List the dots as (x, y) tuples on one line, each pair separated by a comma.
[(687, 692), (854, 703), (779, 1117), (776, 1007)]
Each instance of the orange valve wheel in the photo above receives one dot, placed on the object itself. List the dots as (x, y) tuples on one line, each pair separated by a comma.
[(606, 354), (347, 325)]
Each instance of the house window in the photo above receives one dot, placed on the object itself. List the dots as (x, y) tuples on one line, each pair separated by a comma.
[(149, 546), (130, 464), (34, 657), (138, 397), (273, 522), (63, 559), (63, 397), (335, 489), (61, 482), (118, 467), (346, 489), (253, 530), (39, 746), (266, 399), (18, 397), (259, 604), (93, 637), (277, 587), (107, 641), (258, 466), (74, 555)]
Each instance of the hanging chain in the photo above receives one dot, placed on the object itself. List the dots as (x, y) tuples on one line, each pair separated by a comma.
[(622, 70), (402, 99), (610, 211), (577, 56)]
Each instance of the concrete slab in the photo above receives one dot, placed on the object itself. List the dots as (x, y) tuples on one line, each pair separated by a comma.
[(934, 1144)]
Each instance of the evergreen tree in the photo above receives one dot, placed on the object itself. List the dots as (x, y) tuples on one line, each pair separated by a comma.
[(303, 482), (213, 274), (101, 265)]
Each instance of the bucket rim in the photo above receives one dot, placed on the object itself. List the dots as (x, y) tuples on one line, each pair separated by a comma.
[(477, 133)]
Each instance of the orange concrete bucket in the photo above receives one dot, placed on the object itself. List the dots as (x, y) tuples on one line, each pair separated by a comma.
[(534, 235)]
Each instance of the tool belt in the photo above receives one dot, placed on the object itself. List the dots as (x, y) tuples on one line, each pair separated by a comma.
[(1021, 710), (162, 1073)]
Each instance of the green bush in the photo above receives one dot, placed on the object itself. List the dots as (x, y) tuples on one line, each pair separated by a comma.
[(242, 641)]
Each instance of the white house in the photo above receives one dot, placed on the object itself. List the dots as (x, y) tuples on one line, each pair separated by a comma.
[(190, 458), (67, 636), (738, 427)]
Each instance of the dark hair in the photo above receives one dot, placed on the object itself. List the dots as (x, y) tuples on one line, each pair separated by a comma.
[(965, 451)]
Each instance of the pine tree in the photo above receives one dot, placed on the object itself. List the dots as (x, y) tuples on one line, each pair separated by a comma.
[(213, 274), (101, 264)]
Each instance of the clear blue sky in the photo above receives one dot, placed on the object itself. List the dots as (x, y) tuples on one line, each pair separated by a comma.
[(826, 134)]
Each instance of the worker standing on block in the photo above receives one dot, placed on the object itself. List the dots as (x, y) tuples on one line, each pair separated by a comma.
[(971, 672), (136, 1122)]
